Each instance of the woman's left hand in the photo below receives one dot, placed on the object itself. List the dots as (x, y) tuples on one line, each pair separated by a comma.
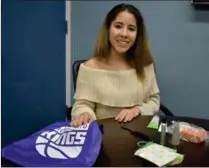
[(127, 114)]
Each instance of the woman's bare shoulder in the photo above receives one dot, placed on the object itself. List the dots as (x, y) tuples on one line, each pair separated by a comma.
[(92, 63)]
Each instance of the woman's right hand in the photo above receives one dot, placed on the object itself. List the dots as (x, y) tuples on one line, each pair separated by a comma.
[(82, 119)]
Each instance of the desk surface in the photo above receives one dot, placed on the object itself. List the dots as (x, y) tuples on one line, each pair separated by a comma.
[(119, 145)]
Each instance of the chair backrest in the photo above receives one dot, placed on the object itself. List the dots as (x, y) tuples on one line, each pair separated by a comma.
[(75, 69)]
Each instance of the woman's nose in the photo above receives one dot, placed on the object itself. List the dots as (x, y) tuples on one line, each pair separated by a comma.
[(124, 32)]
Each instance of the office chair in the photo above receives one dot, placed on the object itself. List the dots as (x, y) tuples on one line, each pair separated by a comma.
[(75, 69)]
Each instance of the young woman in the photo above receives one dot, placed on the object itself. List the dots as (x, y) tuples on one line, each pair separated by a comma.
[(119, 81)]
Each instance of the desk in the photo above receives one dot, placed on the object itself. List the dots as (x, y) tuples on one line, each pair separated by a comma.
[(119, 145)]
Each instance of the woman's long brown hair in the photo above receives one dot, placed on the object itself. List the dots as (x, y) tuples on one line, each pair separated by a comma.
[(139, 55)]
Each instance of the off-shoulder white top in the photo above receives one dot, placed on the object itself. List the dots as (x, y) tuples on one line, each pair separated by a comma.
[(104, 93)]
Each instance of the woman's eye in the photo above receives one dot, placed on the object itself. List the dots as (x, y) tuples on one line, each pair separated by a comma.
[(118, 26), (132, 28)]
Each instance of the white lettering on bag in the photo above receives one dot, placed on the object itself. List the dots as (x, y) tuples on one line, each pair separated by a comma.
[(62, 143)]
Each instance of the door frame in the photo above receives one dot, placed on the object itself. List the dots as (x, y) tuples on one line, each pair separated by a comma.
[(68, 53)]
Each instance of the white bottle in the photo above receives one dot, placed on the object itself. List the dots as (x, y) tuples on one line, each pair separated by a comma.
[(175, 141)]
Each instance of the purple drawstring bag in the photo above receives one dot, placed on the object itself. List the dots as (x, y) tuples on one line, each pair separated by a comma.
[(57, 145)]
